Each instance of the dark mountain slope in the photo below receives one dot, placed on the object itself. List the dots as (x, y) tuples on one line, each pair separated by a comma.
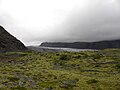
[(84, 45), (9, 42)]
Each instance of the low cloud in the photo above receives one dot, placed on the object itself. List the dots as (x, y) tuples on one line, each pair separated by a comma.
[(98, 20)]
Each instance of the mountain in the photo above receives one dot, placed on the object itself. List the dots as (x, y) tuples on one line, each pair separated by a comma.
[(84, 45), (9, 42)]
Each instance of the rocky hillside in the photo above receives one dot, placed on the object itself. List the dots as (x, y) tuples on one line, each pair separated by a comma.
[(84, 45), (9, 42)]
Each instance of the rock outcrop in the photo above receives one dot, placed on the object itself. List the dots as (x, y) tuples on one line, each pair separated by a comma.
[(9, 43), (84, 45)]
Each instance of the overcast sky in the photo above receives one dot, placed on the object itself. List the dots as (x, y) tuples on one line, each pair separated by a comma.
[(36, 21)]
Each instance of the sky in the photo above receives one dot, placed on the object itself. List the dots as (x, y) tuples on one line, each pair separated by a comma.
[(36, 21)]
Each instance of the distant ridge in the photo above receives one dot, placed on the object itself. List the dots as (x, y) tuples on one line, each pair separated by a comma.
[(9, 42), (84, 45)]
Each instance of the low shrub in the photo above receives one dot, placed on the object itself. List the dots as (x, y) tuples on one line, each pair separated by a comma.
[(91, 81), (64, 57)]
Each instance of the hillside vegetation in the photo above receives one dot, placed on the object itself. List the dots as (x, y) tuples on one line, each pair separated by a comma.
[(86, 70)]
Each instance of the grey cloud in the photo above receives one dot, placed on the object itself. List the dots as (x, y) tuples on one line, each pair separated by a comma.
[(99, 20)]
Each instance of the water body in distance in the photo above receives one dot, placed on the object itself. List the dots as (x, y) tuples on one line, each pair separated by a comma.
[(56, 49)]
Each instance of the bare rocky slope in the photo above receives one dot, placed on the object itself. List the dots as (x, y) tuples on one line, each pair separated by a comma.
[(9, 43)]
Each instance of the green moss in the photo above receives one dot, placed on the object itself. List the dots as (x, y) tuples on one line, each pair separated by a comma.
[(13, 78), (18, 88), (86, 70)]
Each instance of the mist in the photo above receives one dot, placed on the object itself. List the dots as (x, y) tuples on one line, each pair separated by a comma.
[(61, 20)]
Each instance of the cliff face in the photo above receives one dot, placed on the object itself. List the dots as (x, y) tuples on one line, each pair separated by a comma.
[(9, 42), (85, 45)]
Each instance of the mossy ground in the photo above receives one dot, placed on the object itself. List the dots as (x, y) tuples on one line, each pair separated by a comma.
[(87, 70)]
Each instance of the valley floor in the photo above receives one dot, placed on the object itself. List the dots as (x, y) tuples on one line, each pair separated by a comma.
[(85, 70)]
